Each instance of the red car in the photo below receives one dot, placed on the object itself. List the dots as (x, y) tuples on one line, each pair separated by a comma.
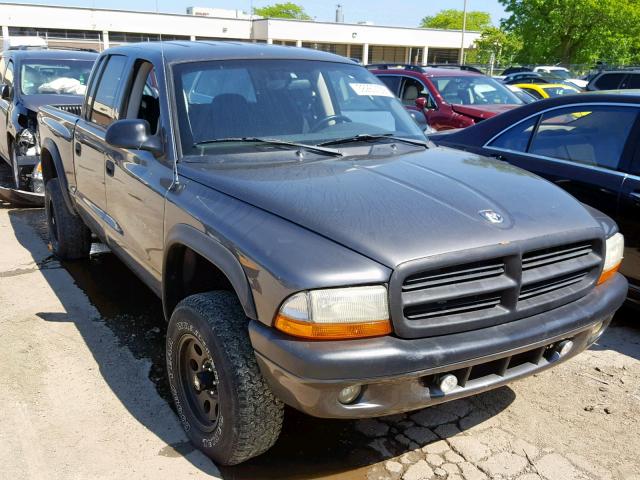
[(448, 97)]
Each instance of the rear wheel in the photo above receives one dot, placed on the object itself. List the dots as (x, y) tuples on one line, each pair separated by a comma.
[(13, 154), (70, 238), (224, 403)]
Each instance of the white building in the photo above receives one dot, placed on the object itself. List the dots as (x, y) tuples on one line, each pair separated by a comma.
[(101, 28)]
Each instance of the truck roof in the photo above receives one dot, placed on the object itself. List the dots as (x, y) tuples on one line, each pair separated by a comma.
[(50, 54), (179, 51)]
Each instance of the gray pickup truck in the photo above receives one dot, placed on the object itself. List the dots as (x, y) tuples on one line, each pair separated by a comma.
[(309, 244)]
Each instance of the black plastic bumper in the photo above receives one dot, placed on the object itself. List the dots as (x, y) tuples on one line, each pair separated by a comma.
[(308, 375)]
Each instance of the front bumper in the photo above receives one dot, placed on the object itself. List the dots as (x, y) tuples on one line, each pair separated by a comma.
[(399, 375)]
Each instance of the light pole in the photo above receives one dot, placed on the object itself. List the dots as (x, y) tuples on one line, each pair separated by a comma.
[(464, 27)]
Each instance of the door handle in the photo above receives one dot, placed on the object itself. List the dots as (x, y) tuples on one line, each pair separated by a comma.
[(78, 148), (110, 167)]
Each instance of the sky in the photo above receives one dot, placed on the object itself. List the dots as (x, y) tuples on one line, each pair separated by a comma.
[(403, 13)]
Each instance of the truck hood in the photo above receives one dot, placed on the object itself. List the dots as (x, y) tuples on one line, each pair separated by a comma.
[(34, 102), (398, 208), (482, 112)]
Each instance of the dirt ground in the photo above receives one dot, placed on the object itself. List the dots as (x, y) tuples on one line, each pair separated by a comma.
[(83, 395)]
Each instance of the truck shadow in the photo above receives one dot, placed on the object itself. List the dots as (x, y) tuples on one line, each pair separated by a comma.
[(308, 447)]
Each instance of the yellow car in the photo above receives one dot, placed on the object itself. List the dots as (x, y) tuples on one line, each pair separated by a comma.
[(547, 90)]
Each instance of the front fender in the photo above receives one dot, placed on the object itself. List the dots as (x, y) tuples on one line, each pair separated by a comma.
[(214, 252)]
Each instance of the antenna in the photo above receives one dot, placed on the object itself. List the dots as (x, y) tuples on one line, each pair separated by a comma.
[(176, 179)]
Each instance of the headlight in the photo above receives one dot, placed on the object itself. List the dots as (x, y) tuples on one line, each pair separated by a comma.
[(613, 257), (336, 313)]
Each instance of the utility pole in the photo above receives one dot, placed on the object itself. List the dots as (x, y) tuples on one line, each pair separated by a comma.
[(464, 27)]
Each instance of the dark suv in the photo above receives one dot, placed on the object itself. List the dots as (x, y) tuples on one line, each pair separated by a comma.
[(449, 98), (615, 80), (28, 80)]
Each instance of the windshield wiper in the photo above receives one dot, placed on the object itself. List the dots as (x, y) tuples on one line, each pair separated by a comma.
[(273, 141), (363, 137)]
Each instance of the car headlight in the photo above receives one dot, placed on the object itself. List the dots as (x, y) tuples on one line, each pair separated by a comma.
[(614, 251), (336, 313)]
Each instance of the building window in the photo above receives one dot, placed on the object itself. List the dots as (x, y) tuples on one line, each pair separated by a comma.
[(380, 54), (54, 33), (443, 55), (132, 37), (337, 48)]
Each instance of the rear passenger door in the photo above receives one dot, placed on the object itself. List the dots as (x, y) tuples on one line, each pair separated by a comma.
[(582, 148), (629, 222), (137, 181), (101, 110)]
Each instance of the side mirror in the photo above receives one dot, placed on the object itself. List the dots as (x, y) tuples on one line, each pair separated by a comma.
[(5, 91), (134, 134), (421, 103)]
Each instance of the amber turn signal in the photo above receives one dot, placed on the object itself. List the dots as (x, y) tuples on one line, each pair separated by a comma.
[(332, 331), (606, 275)]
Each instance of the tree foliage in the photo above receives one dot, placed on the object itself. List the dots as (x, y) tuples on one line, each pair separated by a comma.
[(282, 10), (504, 46), (451, 19), (575, 31)]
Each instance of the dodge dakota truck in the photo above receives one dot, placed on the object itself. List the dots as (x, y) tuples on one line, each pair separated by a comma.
[(310, 246)]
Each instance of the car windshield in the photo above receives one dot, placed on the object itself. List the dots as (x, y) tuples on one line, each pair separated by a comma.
[(563, 74), (54, 76), (306, 102), (474, 90), (560, 90)]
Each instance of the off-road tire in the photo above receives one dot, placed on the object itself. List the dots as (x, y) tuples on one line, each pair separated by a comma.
[(249, 415), (69, 236), (13, 161)]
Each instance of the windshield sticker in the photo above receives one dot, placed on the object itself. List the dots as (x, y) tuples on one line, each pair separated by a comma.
[(370, 89)]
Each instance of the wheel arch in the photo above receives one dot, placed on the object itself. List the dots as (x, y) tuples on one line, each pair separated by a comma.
[(222, 266), (52, 167)]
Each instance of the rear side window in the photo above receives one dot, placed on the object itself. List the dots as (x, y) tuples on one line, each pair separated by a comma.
[(8, 76), (609, 81), (517, 138), (2, 67), (533, 92), (589, 135), (392, 83), (632, 81), (104, 109)]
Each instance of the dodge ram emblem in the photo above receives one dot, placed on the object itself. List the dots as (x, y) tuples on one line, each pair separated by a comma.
[(491, 216)]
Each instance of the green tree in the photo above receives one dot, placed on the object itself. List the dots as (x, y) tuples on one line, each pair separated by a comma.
[(575, 31), (451, 19), (504, 46), (282, 10)]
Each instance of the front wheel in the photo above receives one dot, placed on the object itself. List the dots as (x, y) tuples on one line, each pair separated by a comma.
[(225, 405), (15, 168)]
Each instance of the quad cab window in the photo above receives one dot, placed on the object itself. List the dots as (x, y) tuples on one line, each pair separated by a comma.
[(42, 76)]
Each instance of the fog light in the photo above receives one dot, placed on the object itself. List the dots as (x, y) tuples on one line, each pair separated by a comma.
[(448, 382), (564, 347), (349, 394)]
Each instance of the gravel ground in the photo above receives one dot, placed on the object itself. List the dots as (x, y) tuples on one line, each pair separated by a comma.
[(577, 421)]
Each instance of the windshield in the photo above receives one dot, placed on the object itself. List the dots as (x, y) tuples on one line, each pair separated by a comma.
[(54, 76), (563, 74), (557, 91), (474, 90), (301, 101)]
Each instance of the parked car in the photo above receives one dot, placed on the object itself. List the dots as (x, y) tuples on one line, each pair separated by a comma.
[(587, 144), (563, 73), (311, 248), (30, 78), (615, 80), (548, 90), (515, 69), (448, 98), (523, 95)]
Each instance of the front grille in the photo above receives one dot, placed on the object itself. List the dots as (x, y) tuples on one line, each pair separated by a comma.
[(74, 109), (441, 298)]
